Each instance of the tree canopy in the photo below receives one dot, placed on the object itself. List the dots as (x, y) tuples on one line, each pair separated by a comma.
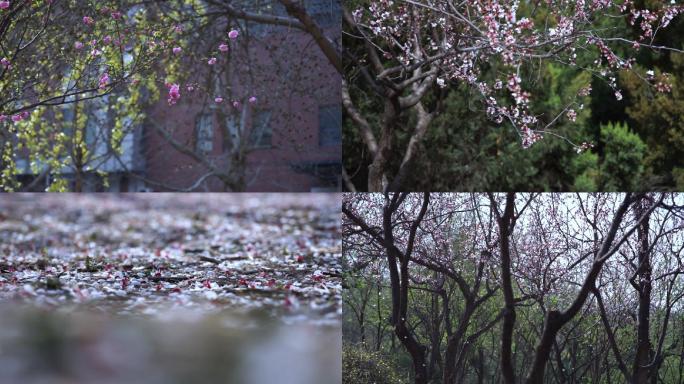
[(448, 86)]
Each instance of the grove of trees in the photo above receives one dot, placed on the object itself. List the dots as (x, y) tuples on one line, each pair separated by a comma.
[(513, 95), (514, 288)]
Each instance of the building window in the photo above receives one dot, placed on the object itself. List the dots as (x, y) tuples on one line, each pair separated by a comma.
[(261, 134), (204, 132), (327, 13), (232, 140), (330, 125)]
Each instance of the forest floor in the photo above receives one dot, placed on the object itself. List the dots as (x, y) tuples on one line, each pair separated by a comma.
[(229, 269)]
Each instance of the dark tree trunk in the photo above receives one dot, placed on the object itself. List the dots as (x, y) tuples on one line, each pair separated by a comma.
[(644, 350), (378, 178), (505, 223), (435, 335), (552, 325), (455, 347), (399, 282)]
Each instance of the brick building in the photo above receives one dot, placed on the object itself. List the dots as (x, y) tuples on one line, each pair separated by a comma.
[(292, 134)]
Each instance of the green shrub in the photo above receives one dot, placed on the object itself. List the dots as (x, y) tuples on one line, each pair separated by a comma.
[(362, 367), (624, 152), (620, 168)]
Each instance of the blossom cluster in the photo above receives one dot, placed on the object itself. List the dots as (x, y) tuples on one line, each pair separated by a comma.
[(460, 40), (109, 44)]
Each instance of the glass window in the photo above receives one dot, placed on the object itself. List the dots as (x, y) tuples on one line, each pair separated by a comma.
[(205, 133), (330, 125), (261, 134), (232, 141)]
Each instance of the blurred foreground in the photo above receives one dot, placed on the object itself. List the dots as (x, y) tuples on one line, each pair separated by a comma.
[(170, 289), (38, 346)]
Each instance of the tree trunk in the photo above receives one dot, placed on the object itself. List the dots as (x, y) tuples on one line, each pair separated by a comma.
[(378, 179), (552, 325), (644, 349), (454, 345), (399, 282), (505, 223), (435, 334), (78, 182), (376, 172)]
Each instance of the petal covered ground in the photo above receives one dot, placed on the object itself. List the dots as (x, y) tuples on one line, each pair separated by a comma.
[(131, 254), (247, 265)]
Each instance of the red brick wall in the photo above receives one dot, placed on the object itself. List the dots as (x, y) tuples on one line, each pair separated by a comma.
[(290, 77)]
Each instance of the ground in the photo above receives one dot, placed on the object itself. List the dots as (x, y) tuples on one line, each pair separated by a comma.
[(225, 267)]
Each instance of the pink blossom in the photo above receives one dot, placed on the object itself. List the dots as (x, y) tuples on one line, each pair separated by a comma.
[(525, 23), (78, 45), (174, 94), (88, 20), (510, 37), (178, 28), (236, 104), (664, 85), (212, 61), (18, 117), (177, 50), (25, 114), (4, 4), (104, 80), (190, 88), (529, 137), (253, 100), (5, 62), (107, 39), (3, 117), (233, 34), (572, 115), (223, 47), (116, 15), (218, 100), (584, 91)]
